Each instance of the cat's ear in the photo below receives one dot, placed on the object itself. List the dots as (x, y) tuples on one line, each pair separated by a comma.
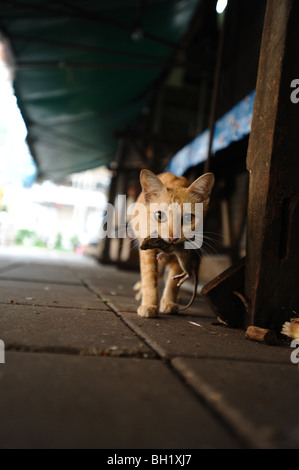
[(152, 187), (201, 188)]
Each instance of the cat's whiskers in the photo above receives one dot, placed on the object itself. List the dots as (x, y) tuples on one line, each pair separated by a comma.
[(212, 248), (218, 242), (197, 247), (220, 235), (208, 251)]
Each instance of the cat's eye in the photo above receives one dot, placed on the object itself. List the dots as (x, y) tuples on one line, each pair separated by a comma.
[(188, 218), (160, 216)]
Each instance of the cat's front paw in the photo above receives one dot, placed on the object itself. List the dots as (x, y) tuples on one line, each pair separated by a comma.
[(148, 311), (168, 307)]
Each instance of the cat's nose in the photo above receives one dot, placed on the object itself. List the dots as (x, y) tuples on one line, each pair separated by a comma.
[(172, 239)]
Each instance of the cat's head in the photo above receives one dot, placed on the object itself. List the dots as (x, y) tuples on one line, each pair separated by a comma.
[(174, 209)]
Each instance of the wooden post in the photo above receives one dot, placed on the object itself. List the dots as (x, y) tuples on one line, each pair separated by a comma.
[(114, 190), (213, 110), (271, 278)]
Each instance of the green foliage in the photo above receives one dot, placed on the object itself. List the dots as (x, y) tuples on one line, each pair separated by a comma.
[(22, 235), (58, 242), (29, 236), (74, 241), (40, 243)]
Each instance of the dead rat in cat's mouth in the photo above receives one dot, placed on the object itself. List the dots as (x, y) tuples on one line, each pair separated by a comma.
[(188, 259)]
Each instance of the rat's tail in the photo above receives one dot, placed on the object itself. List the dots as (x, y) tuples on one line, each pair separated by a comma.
[(195, 282)]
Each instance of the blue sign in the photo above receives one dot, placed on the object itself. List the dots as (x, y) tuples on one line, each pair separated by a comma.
[(231, 127)]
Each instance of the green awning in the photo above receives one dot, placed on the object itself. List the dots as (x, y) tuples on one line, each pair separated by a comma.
[(85, 70)]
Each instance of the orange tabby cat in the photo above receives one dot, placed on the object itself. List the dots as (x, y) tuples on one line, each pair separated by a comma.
[(164, 190)]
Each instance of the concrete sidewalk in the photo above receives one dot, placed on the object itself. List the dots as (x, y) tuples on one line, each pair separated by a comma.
[(82, 370)]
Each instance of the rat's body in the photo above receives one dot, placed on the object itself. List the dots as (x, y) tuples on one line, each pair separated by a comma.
[(188, 259)]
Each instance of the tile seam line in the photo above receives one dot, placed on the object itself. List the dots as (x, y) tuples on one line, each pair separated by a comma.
[(244, 436), (166, 356), (77, 352), (248, 435), (168, 363), (94, 309), (40, 281), (118, 315), (11, 266)]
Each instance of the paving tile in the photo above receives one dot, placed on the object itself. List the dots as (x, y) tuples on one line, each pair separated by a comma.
[(259, 400), (112, 283), (54, 393), (107, 274), (121, 295), (41, 273), (36, 328), (59, 401), (49, 294), (7, 262), (187, 335)]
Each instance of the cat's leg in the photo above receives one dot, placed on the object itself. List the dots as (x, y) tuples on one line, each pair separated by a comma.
[(169, 298), (149, 281)]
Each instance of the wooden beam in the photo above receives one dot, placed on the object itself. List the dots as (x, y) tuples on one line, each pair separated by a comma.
[(216, 83), (225, 295), (114, 190), (271, 278)]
